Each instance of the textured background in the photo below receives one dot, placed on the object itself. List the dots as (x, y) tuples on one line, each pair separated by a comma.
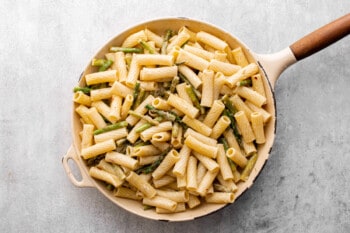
[(44, 46)]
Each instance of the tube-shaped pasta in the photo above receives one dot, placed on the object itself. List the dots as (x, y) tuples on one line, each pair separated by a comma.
[(219, 86), (147, 150), (160, 74), (201, 171), (80, 98), (114, 134), (181, 91), (181, 207), (191, 174), (132, 120), (163, 181), (87, 135), (181, 164), (223, 67), (192, 60), (220, 56), (197, 125), (126, 193), (181, 38), (105, 176), (133, 135), (240, 105), (190, 75), (162, 146), (158, 40), (258, 84), (244, 126), (149, 86), (126, 106), (177, 196), (227, 185), (214, 113), (96, 118), (115, 109), (240, 160), (266, 115), (193, 201), (133, 73), (170, 159), (103, 109), (101, 77), (161, 104), (120, 66), (242, 74), (198, 146), (134, 39), (143, 160), (225, 169), (220, 126), (121, 90), (211, 40), (239, 56), (162, 127), (161, 136), (258, 127), (220, 198), (121, 159), (83, 111), (206, 183), (199, 52), (111, 168), (154, 59), (208, 88), (142, 185), (98, 148), (161, 202), (182, 105), (249, 148), (231, 140), (204, 139), (209, 163), (252, 96), (100, 94)]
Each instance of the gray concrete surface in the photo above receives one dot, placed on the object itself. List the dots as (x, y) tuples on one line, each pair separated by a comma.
[(44, 46)]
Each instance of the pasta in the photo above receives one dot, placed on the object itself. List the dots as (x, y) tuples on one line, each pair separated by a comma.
[(175, 124)]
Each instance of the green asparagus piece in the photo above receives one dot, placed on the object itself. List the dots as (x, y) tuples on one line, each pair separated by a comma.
[(223, 141), (147, 46), (98, 62), (150, 168), (146, 118), (184, 79), (190, 91), (105, 65), (171, 116), (168, 35), (228, 104), (249, 167), (143, 127), (226, 146), (136, 93), (118, 125), (126, 50), (174, 82), (140, 97), (245, 82), (233, 125), (85, 90)]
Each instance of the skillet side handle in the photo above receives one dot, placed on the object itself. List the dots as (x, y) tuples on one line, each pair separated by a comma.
[(321, 38), (85, 179)]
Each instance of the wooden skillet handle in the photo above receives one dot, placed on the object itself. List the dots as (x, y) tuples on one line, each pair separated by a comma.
[(321, 38)]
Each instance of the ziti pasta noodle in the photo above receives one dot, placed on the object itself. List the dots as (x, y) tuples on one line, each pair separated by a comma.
[(172, 120)]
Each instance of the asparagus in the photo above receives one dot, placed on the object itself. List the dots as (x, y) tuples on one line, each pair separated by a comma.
[(191, 93), (245, 82), (226, 146), (174, 82), (136, 93), (118, 125), (126, 50), (168, 35), (228, 104), (249, 167), (233, 125), (147, 46), (168, 115), (184, 79), (105, 65), (147, 125), (146, 118), (85, 90), (150, 168), (140, 97)]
